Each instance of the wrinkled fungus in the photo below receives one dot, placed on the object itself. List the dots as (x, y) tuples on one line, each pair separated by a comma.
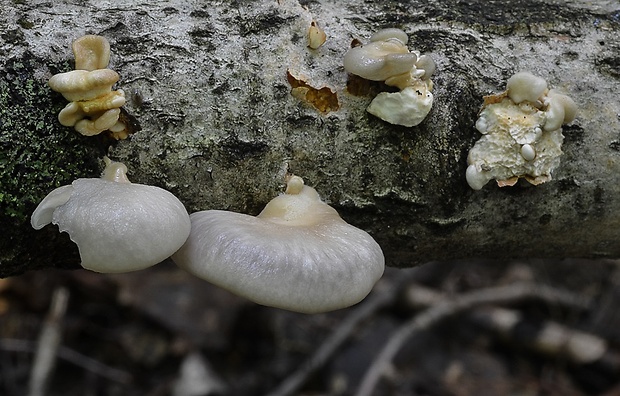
[(118, 226), (387, 58), (521, 133), (297, 254), (93, 106)]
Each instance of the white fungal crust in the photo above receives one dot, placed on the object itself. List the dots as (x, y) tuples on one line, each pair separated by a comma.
[(522, 135), (387, 58), (297, 254), (117, 226)]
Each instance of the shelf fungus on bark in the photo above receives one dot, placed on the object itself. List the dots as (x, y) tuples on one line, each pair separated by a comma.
[(386, 58), (521, 133), (297, 254), (93, 106), (118, 226)]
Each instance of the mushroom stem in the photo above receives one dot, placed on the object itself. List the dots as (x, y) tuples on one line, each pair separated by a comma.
[(294, 185), (114, 171)]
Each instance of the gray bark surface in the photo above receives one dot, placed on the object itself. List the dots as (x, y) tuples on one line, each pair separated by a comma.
[(207, 83)]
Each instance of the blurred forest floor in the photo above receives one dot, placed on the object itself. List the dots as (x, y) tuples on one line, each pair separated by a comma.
[(163, 332)]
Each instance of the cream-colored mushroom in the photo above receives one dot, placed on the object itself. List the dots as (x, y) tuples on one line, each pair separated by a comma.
[(94, 107), (316, 35), (82, 85), (297, 254), (118, 226), (525, 86), (91, 52), (560, 110), (380, 59), (387, 58)]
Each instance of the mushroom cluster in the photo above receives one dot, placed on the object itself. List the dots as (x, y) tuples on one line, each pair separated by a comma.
[(521, 133), (118, 226), (387, 58), (297, 254), (93, 106)]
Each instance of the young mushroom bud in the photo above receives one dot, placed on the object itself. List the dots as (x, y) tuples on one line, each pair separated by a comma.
[(387, 58), (316, 35), (118, 226), (297, 254)]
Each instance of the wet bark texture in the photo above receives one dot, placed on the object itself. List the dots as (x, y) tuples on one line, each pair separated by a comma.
[(207, 83)]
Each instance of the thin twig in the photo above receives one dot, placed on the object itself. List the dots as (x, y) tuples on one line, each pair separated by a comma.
[(552, 338), (49, 341), (384, 294), (71, 356), (445, 309)]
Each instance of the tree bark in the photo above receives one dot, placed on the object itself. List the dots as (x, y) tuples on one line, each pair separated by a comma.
[(207, 83)]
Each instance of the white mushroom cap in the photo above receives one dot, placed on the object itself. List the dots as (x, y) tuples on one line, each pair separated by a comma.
[(117, 226), (561, 109), (525, 86), (427, 64), (297, 254), (389, 34), (379, 60)]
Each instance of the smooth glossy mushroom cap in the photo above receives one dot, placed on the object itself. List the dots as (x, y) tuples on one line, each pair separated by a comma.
[(390, 34), (427, 64), (561, 109), (476, 178), (91, 52), (298, 254), (380, 60), (525, 86), (80, 85)]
